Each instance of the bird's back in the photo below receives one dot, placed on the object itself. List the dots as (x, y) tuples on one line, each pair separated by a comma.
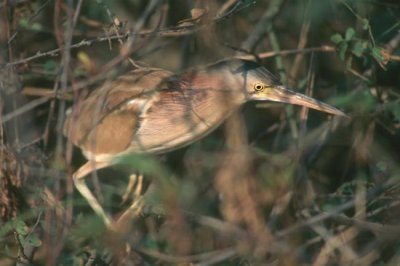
[(104, 123)]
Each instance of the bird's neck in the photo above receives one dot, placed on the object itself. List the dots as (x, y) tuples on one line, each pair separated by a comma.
[(212, 84), (208, 98)]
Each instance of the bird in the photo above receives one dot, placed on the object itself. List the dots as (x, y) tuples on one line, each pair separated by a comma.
[(154, 111)]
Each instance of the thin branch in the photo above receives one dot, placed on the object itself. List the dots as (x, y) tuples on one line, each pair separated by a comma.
[(385, 233), (176, 31), (260, 29), (25, 108), (214, 256), (328, 215)]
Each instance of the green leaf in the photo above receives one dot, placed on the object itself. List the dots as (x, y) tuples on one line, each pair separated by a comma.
[(382, 166), (342, 50), (365, 23), (395, 108), (328, 207), (49, 66), (150, 242), (34, 241), (36, 26), (358, 49), (21, 227), (6, 228), (350, 32), (24, 23), (377, 54), (7, 251), (337, 38), (360, 101), (80, 71), (247, 2), (21, 239)]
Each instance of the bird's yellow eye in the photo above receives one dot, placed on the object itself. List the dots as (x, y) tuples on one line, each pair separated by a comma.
[(258, 87)]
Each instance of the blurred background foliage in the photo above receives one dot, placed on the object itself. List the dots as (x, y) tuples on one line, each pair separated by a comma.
[(274, 185)]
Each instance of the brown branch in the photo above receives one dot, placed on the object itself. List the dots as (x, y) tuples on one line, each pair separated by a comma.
[(44, 92), (176, 31), (328, 215), (260, 29), (30, 18), (324, 48), (337, 242), (294, 70), (223, 227), (385, 233), (226, 6), (203, 258)]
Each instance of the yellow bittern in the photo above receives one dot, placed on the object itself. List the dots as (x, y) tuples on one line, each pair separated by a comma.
[(153, 111)]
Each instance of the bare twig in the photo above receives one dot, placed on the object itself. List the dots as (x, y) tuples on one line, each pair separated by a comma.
[(176, 31), (226, 6), (385, 233), (327, 215), (26, 108), (337, 242), (263, 25), (324, 48), (301, 45), (43, 92), (203, 258), (34, 15), (220, 226)]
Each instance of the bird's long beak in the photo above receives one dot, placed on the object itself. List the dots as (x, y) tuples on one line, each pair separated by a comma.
[(281, 94)]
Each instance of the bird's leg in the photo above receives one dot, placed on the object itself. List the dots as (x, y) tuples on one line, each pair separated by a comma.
[(80, 184), (135, 186), (139, 190), (124, 223)]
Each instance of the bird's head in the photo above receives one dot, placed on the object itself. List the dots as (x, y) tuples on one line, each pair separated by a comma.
[(257, 83)]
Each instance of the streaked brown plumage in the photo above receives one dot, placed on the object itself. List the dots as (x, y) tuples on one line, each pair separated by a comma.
[(155, 111)]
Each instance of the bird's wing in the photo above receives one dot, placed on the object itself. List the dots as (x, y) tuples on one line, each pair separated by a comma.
[(185, 110), (105, 122)]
